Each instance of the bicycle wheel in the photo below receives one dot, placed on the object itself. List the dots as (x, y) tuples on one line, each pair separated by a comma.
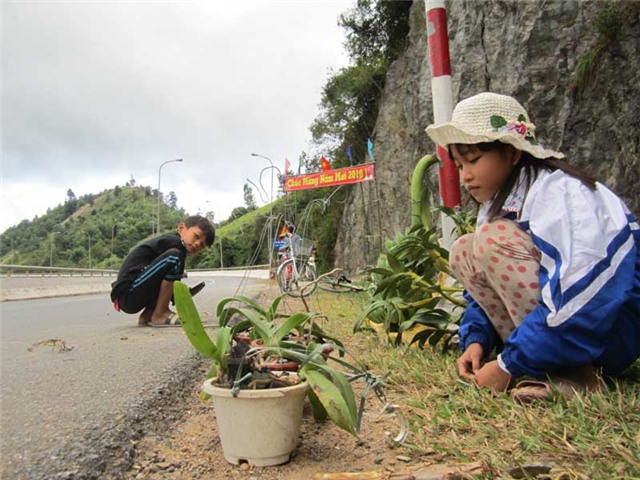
[(296, 280), (338, 285), (284, 275), (308, 272)]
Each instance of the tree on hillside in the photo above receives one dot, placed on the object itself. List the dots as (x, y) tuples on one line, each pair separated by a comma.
[(71, 204), (238, 212), (249, 199), (172, 199), (376, 32), (210, 215)]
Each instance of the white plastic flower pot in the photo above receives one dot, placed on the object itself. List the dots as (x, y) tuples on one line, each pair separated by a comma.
[(260, 427)]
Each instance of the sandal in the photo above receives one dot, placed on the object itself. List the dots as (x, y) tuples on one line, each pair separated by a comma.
[(528, 391), (171, 320)]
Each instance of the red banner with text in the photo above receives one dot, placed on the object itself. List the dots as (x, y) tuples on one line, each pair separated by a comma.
[(330, 178)]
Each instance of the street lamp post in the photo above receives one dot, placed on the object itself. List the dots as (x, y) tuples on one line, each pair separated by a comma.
[(221, 260), (51, 250), (89, 235), (159, 195), (113, 234), (272, 166)]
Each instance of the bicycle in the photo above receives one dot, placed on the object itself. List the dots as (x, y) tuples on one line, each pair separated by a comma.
[(296, 274), (337, 283)]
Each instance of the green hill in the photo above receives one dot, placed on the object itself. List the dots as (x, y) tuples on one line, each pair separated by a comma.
[(98, 230), (95, 230)]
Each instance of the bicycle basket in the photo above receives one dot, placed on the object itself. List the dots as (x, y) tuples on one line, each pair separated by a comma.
[(302, 248)]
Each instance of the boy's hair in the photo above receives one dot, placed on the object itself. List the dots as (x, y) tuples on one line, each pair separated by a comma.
[(205, 225)]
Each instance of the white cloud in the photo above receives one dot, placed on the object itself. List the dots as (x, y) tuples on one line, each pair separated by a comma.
[(96, 92)]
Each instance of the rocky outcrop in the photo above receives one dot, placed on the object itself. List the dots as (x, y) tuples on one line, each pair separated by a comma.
[(526, 49)]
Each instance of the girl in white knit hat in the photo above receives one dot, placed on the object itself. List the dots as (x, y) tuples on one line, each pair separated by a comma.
[(552, 272)]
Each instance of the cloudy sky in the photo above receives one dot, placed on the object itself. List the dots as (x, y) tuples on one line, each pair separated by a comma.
[(95, 93)]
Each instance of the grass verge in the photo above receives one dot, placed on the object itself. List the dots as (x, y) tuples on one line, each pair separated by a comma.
[(591, 437)]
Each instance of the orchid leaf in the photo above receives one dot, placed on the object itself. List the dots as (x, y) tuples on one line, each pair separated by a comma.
[(332, 397), (319, 412), (191, 321)]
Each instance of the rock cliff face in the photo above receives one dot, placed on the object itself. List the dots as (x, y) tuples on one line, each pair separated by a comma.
[(529, 50)]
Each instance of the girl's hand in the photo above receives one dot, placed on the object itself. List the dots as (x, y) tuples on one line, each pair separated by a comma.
[(492, 376), (469, 362)]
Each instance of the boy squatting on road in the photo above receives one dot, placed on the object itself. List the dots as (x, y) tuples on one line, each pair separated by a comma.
[(145, 280), (552, 272)]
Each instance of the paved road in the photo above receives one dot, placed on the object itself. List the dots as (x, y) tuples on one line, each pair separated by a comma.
[(74, 414)]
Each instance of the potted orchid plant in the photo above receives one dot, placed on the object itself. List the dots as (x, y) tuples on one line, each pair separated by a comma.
[(261, 355)]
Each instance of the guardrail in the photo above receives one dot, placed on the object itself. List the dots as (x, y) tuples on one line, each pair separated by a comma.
[(230, 269), (38, 271)]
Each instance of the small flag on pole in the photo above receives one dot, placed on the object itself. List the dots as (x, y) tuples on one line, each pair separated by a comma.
[(324, 164), (370, 148), (349, 154), (287, 166)]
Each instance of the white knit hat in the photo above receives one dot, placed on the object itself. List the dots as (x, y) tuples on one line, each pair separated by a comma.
[(489, 117)]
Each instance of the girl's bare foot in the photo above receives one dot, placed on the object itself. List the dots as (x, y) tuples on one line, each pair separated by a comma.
[(584, 375)]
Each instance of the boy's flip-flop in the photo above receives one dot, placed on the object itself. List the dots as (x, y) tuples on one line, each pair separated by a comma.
[(172, 320)]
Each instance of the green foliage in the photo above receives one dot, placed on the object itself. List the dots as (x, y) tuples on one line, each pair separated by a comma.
[(376, 35), (377, 29), (104, 227), (464, 220), (411, 290), (414, 290), (607, 25)]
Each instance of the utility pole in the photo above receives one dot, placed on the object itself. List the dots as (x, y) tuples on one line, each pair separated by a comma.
[(159, 194), (221, 261), (113, 233), (89, 235)]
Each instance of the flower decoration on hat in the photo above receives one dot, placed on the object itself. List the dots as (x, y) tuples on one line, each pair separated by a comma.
[(520, 126)]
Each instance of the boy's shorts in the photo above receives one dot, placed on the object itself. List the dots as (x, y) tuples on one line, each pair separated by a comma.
[(145, 288)]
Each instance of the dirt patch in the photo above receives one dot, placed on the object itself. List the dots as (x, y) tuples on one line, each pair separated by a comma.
[(192, 449)]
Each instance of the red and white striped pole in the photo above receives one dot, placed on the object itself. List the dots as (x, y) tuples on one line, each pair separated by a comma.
[(442, 93)]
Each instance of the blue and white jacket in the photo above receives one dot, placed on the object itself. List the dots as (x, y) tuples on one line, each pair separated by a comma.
[(589, 305)]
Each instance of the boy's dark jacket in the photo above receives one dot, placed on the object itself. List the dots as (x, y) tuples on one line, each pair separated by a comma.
[(141, 256)]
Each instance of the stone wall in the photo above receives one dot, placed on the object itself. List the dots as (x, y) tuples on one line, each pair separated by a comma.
[(525, 49)]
